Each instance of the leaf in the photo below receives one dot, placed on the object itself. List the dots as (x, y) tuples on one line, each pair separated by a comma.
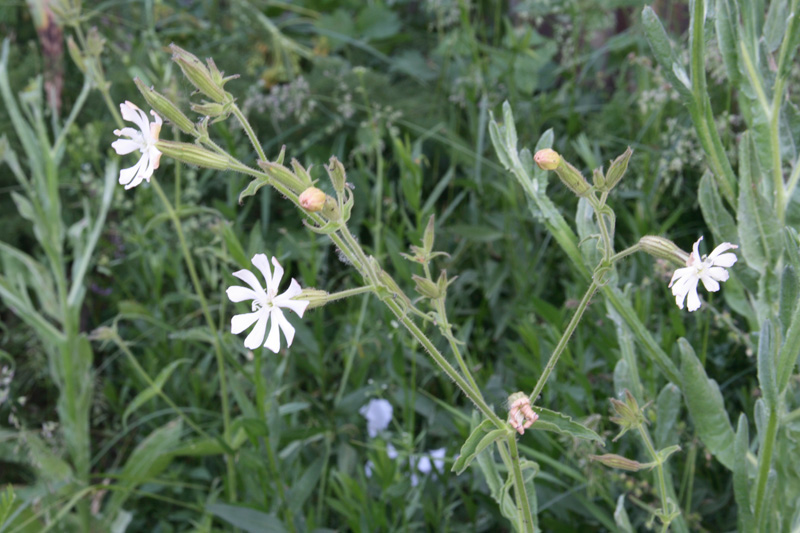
[(152, 390), (488, 439), (468, 448), (727, 26), (741, 482), (564, 425), (790, 292), (621, 516), (775, 25), (662, 48), (246, 518), (789, 352), (305, 485), (705, 405), (759, 230), (722, 225), (668, 406), (510, 128), (766, 365), (376, 22)]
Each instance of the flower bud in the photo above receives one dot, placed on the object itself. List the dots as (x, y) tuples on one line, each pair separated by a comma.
[(164, 107), (312, 199), (194, 155), (663, 249), (572, 178), (95, 42), (337, 175), (547, 159), (207, 80), (283, 175), (426, 287), (314, 297), (76, 54), (617, 461), (629, 415), (213, 109), (617, 169)]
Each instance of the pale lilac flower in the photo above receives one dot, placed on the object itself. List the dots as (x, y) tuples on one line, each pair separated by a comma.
[(424, 464), (710, 270), (266, 305), (378, 413), (143, 140)]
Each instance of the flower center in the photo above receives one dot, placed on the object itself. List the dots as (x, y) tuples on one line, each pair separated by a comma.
[(264, 302)]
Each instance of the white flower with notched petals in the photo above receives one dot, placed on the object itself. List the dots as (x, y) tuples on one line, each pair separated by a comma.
[(266, 305), (143, 140), (378, 413), (710, 270)]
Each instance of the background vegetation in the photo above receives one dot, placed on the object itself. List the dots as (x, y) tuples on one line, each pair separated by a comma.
[(402, 93)]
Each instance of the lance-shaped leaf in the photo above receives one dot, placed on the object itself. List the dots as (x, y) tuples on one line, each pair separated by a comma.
[(564, 425), (706, 406)]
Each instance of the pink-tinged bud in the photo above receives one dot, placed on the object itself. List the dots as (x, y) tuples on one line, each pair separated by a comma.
[(521, 415), (547, 159), (312, 199)]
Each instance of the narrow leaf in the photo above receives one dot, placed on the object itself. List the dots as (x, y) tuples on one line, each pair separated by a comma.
[(727, 26), (722, 224), (741, 482), (247, 519), (468, 448), (766, 365), (484, 443), (151, 391)]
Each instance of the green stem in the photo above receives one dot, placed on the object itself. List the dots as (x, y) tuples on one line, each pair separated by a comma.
[(249, 131), (523, 505), (562, 343), (662, 484), (448, 333), (765, 462), (223, 386)]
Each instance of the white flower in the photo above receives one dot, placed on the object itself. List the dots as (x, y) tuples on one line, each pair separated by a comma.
[(143, 140), (710, 270), (424, 464), (266, 305), (378, 413)]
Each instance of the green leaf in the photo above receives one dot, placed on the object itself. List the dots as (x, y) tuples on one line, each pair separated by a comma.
[(153, 390), (252, 188), (488, 439), (668, 407), (468, 448), (496, 135), (775, 24), (621, 516), (790, 292), (376, 22), (741, 482), (564, 425), (151, 457), (727, 26), (302, 488), (246, 518), (510, 128), (706, 407), (759, 230), (722, 225), (766, 365), (789, 352), (662, 48)]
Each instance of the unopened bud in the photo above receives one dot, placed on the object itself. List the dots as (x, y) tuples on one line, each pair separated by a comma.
[(572, 178), (629, 415), (76, 54), (213, 109), (663, 249), (207, 80), (314, 297), (337, 174), (312, 199), (617, 169), (283, 175), (193, 155), (617, 461), (598, 178), (547, 159), (95, 42), (165, 107), (426, 287)]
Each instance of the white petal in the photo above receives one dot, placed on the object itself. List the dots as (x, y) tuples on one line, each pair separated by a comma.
[(438, 459), (277, 275), (132, 113), (693, 303), (709, 283), (273, 341), (251, 279), (718, 273), (130, 176), (256, 336), (724, 247), (260, 261), (125, 146), (240, 294), (155, 156), (284, 300), (681, 273), (239, 323), (424, 464), (286, 327), (724, 260), (147, 170)]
